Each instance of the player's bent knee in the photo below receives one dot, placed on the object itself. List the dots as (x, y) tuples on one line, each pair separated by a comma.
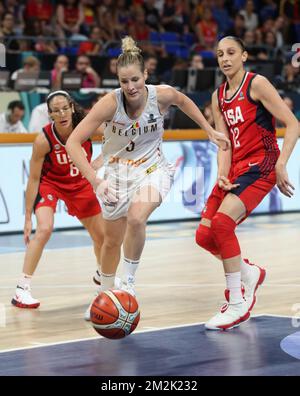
[(135, 221), (223, 230), (205, 239), (44, 232)]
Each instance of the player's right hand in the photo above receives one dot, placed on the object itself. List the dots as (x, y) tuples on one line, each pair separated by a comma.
[(106, 192), (220, 139), (225, 184), (27, 231)]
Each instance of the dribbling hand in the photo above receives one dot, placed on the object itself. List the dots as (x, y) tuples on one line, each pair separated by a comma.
[(105, 192)]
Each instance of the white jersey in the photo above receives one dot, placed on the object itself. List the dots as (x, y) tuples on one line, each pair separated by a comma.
[(136, 143)]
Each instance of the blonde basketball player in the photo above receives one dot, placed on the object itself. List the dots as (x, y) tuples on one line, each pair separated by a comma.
[(137, 176)]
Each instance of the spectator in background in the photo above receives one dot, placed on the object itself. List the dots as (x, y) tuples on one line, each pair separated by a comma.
[(16, 9), (89, 16), (221, 16), (39, 118), (70, 17), (30, 64), (41, 10), (151, 66), (90, 78), (196, 62), (279, 30), (109, 78), (92, 47), (11, 120), (61, 65), (7, 30), (269, 10), (207, 30), (238, 29), (270, 39), (152, 15), (251, 18)]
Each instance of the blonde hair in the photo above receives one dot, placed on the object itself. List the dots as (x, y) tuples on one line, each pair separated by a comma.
[(131, 54)]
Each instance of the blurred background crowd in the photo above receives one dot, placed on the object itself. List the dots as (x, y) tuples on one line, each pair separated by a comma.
[(73, 44)]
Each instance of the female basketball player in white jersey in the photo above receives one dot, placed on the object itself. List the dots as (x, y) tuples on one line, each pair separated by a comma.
[(137, 176)]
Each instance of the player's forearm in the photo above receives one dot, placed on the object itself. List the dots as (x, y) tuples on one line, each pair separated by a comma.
[(30, 196), (292, 134), (190, 109), (224, 162), (75, 151)]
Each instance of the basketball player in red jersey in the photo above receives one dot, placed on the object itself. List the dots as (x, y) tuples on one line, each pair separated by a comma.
[(53, 176), (244, 107)]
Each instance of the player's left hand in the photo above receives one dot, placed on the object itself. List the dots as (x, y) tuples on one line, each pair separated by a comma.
[(225, 184), (282, 181), (220, 139)]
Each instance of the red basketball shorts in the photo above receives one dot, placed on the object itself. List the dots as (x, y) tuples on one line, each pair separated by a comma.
[(81, 203), (253, 187)]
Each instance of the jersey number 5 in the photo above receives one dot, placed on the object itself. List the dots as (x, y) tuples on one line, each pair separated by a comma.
[(235, 135), (131, 146)]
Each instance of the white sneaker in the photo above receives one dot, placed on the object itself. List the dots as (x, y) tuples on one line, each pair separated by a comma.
[(24, 299), (230, 315), (256, 276), (97, 278), (87, 314), (129, 286)]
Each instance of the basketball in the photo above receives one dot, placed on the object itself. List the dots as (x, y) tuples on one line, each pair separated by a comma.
[(115, 314)]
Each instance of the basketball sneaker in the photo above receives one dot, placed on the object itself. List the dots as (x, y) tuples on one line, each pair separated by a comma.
[(24, 299), (255, 277), (129, 286), (230, 315)]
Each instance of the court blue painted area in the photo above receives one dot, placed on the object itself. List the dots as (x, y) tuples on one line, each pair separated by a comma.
[(291, 345), (252, 349)]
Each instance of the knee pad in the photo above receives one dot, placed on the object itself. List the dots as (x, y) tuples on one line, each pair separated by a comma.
[(205, 239), (223, 230)]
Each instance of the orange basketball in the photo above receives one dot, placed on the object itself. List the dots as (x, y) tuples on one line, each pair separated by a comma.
[(115, 314)]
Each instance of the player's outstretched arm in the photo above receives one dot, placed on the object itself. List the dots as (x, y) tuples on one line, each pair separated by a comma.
[(168, 96), (262, 90), (101, 112)]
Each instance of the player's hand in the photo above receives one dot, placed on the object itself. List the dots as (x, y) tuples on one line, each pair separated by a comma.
[(225, 184), (27, 231), (220, 139), (106, 192), (282, 180), (96, 164)]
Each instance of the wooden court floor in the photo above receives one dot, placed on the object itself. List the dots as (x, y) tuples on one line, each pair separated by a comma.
[(177, 282)]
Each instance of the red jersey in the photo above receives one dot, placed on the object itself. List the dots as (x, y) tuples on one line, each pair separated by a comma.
[(251, 126), (58, 169)]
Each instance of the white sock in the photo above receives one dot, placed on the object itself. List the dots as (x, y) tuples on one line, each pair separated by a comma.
[(233, 283), (245, 270), (129, 269), (107, 281), (24, 281)]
